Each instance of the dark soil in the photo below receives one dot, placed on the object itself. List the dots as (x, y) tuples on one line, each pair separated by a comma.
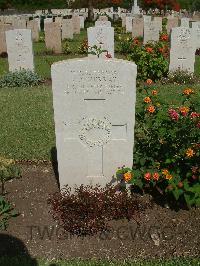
[(160, 232)]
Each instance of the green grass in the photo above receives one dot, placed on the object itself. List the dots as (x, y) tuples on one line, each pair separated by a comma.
[(26, 114), (26, 119), (27, 262), (27, 125)]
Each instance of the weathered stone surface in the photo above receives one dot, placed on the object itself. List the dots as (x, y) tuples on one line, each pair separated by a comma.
[(76, 24), (172, 23), (3, 29), (19, 49), (151, 31), (102, 37), (67, 29), (53, 37), (102, 23), (183, 47), (33, 26), (138, 27), (94, 112)]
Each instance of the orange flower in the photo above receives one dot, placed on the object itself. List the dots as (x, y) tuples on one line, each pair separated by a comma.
[(147, 99), (147, 176), (154, 92), (151, 109), (165, 172), (164, 37), (149, 82), (188, 91), (156, 176), (168, 177), (161, 50), (184, 110), (127, 176), (190, 153), (149, 50)]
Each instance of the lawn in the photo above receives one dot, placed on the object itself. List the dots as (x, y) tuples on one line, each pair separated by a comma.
[(26, 114), (27, 262)]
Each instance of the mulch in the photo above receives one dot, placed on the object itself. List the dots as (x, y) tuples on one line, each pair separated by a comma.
[(159, 233)]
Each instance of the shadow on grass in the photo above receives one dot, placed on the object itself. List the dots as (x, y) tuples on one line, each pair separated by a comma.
[(13, 252)]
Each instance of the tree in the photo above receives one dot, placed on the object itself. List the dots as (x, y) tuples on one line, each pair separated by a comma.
[(161, 4)]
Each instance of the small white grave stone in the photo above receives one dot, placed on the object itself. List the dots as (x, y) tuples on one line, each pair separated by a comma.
[(33, 26), (67, 29), (53, 37), (76, 24), (151, 31), (129, 24), (3, 29), (102, 23), (138, 27), (183, 47), (19, 49), (101, 37), (185, 22), (196, 28), (94, 113), (82, 22)]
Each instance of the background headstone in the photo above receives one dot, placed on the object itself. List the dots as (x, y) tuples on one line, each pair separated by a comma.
[(3, 29), (53, 37), (138, 27), (101, 37), (33, 26), (183, 47), (67, 29), (19, 49)]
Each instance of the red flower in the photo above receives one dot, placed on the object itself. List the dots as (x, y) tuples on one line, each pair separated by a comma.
[(147, 176), (149, 50)]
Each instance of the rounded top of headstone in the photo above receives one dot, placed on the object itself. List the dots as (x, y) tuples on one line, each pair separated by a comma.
[(93, 61)]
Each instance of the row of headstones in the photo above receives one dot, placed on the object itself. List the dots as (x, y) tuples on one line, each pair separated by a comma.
[(150, 28), (69, 27), (64, 30), (20, 52), (182, 54), (19, 42)]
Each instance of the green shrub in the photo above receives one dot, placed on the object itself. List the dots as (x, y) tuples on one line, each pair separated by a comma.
[(23, 78), (180, 77), (66, 47), (8, 170), (151, 60), (83, 49), (6, 213), (167, 149)]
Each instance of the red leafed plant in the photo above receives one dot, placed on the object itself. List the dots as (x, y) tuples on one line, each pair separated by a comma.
[(89, 209)]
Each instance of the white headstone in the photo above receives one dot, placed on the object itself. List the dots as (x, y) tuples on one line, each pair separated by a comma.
[(33, 26), (101, 37), (171, 23), (102, 23), (185, 22), (3, 29), (151, 31), (94, 112), (196, 28), (82, 22), (129, 24), (53, 37), (67, 29), (183, 47), (138, 27), (19, 49)]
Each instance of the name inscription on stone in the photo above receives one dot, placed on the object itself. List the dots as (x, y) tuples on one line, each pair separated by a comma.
[(99, 82)]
